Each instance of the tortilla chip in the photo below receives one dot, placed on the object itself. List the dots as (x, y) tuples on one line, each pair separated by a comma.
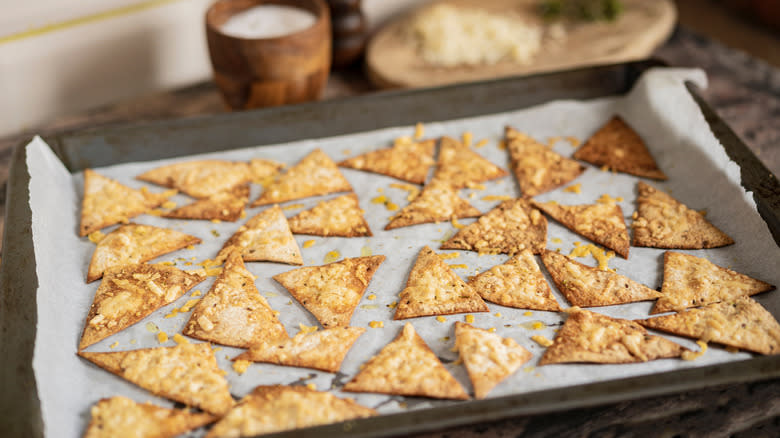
[(434, 289), (202, 178), (134, 243), (322, 350), (517, 283), (186, 373), (270, 409), (224, 206), (129, 293), (664, 222), (233, 312), (405, 161), (316, 174), (509, 228), (340, 217), (591, 287), (262, 171), (331, 292), (740, 323), (407, 366), (617, 146), (591, 337), (107, 202), (488, 357), (438, 202), (601, 222), (461, 166), (265, 237), (120, 417), (538, 168)]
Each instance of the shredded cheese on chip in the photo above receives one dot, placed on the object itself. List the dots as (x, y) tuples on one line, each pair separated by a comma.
[(240, 366)]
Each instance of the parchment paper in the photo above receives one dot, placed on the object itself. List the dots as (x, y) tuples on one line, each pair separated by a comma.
[(700, 175)]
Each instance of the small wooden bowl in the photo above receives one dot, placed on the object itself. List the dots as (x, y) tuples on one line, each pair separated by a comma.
[(253, 73)]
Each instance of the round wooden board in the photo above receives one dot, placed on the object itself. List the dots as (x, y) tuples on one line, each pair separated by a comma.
[(391, 62)]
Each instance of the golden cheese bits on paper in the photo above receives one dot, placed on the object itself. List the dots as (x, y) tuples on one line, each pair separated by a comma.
[(269, 409), (407, 366), (331, 292), (461, 167), (438, 202), (341, 217), (589, 337), (107, 202), (135, 243), (120, 417), (264, 237), (538, 168), (233, 312), (407, 161), (664, 222), (224, 206), (186, 373)]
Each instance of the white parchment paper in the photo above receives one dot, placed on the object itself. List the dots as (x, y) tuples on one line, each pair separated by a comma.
[(659, 107)]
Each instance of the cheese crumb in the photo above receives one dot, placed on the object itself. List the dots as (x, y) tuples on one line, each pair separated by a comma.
[(541, 340), (307, 328), (467, 136), (240, 366), (606, 199), (556, 240), (152, 327), (179, 339), (456, 224), (162, 337), (528, 313), (481, 143), (491, 329), (371, 297), (309, 243), (574, 188), (188, 305), (96, 236), (691, 355), (441, 318), (469, 318), (311, 386), (114, 345), (452, 255), (332, 256), (393, 304), (498, 314), (173, 313), (197, 293), (496, 198), (459, 266), (216, 221), (376, 324), (537, 325), (573, 141), (419, 131)]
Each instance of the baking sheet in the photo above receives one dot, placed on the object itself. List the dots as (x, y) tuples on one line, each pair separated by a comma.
[(659, 108)]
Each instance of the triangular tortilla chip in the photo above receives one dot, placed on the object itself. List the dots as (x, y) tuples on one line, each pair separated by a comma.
[(692, 281), (265, 237), (331, 292), (405, 161), (233, 312), (488, 357), (517, 283), (340, 216), (223, 206), (514, 225), (322, 350), (461, 166), (187, 373), (118, 417), (134, 243), (434, 289), (407, 366), (602, 223), (316, 174), (740, 323), (203, 178), (270, 409), (538, 168), (664, 222), (617, 146), (129, 293), (591, 287), (107, 202), (591, 337), (438, 202)]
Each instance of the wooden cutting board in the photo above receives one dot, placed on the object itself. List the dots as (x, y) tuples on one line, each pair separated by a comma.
[(393, 62)]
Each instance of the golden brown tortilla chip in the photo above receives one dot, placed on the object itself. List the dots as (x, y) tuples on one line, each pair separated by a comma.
[(434, 289), (187, 373), (591, 287), (340, 217), (407, 366), (461, 166), (233, 312), (591, 337), (202, 178), (617, 146), (405, 161), (601, 222), (663, 222), (438, 202), (107, 202), (270, 409), (129, 293), (517, 283), (322, 350), (265, 237), (331, 292), (511, 227), (538, 168), (134, 243), (120, 417), (223, 206), (740, 323), (316, 174)]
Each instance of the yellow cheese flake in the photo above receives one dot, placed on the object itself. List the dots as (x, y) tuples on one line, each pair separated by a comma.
[(467, 137), (528, 313), (309, 243), (491, 329), (441, 318), (481, 143), (366, 252), (601, 256), (311, 386), (574, 188), (528, 369), (456, 224), (371, 297), (419, 131), (496, 198), (475, 186), (152, 327), (216, 349), (392, 206), (190, 247), (216, 221), (188, 264), (376, 324), (240, 366), (556, 240), (403, 140), (346, 151), (114, 345), (573, 141), (537, 325), (166, 263), (197, 293), (541, 340), (459, 266), (552, 140), (577, 243), (162, 337), (498, 314), (369, 306), (189, 305), (169, 205), (179, 339), (380, 189), (691, 355), (293, 206), (155, 212), (606, 199), (393, 304), (469, 318), (133, 341), (532, 325), (472, 195), (332, 256), (412, 191), (307, 328), (173, 313), (96, 236), (452, 255)]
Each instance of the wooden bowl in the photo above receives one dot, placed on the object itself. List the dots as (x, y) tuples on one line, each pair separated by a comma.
[(259, 72)]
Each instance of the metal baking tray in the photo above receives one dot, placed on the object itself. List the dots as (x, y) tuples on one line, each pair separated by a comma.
[(155, 140)]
